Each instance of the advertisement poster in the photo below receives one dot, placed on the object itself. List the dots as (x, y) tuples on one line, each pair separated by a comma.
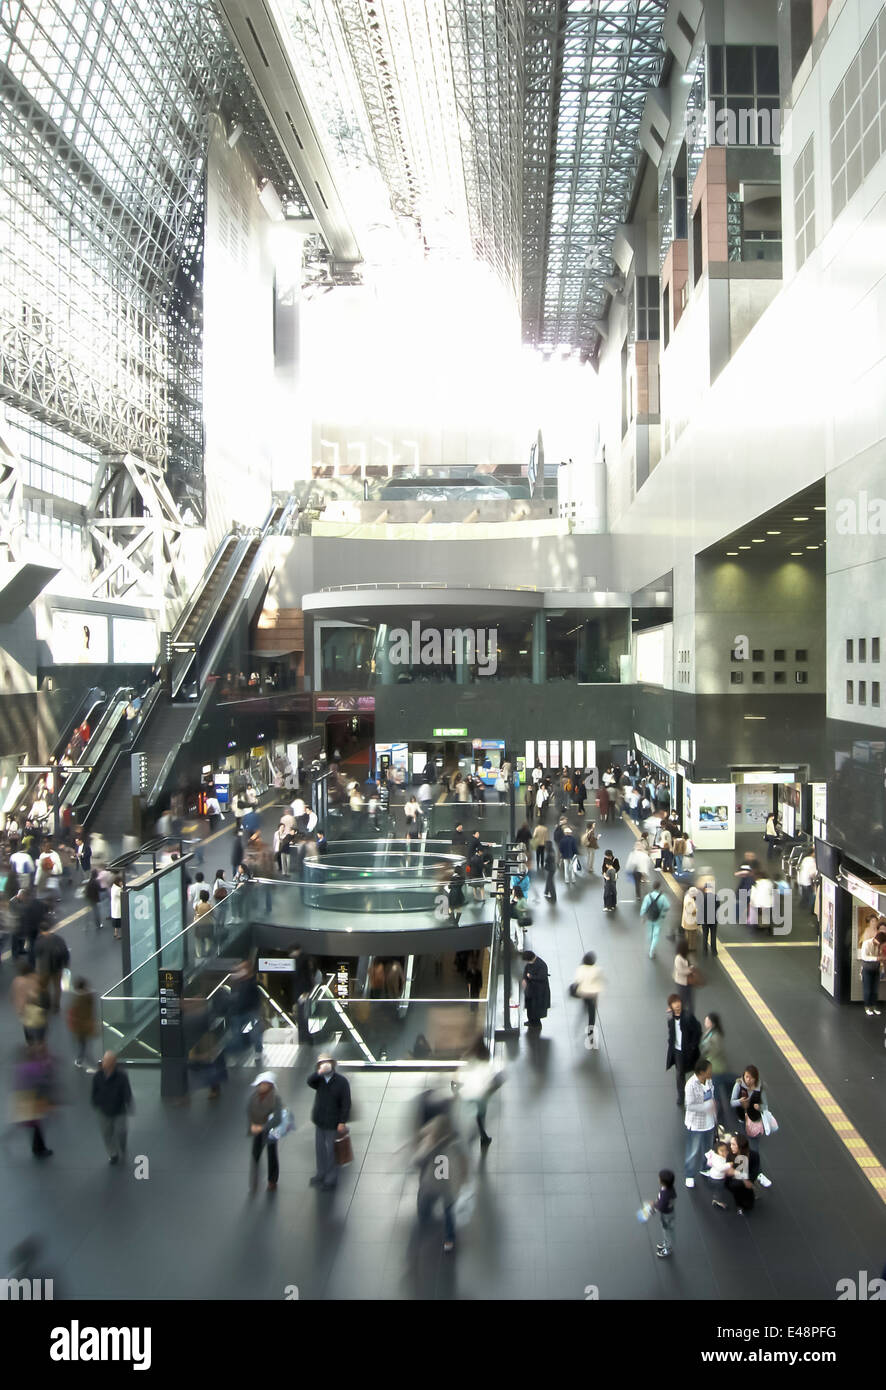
[(827, 966), (713, 817), (79, 639), (754, 808), (820, 810), (134, 639)]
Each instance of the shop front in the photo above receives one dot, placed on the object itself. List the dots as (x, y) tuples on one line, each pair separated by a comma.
[(439, 758), (664, 761)]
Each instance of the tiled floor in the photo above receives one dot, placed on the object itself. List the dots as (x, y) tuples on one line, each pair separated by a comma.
[(578, 1140)]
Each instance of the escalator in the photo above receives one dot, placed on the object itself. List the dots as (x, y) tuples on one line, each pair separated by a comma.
[(72, 745), (168, 718)]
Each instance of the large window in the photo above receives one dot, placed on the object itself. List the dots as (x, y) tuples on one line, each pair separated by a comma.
[(743, 89), (647, 308), (804, 202), (53, 462), (586, 649), (858, 117)]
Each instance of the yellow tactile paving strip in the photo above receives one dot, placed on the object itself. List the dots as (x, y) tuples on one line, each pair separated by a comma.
[(843, 1127)]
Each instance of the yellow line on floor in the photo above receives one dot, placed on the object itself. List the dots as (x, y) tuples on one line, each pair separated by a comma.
[(755, 945), (839, 1122)]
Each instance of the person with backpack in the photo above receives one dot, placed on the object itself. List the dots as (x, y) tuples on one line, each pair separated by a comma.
[(654, 910)]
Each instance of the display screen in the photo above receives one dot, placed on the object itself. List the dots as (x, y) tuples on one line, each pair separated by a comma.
[(80, 639), (827, 860)]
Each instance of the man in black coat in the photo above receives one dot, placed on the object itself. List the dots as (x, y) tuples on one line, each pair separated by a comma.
[(332, 1106), (684, 1038), (536, 989), (112, 1100)]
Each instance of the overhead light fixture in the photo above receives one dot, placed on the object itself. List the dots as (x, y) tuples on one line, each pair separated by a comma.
[(758, 540), (812, 547), (821, 509), (744, 547), (731, 552), (773, 533), (755, 716), (796, 552), (800, 518)]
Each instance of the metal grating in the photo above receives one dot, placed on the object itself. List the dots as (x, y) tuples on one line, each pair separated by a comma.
[(104, 110), (589, 65)]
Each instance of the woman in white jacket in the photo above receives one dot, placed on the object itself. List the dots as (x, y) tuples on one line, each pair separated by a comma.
[(588, 985), (477, 1082)]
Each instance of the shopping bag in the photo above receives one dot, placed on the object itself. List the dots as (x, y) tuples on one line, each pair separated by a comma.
[(286, 1126), (770, 1123), (344, 1152), (465, 1204)]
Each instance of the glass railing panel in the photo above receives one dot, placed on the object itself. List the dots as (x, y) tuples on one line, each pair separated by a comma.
[(433, 1031)]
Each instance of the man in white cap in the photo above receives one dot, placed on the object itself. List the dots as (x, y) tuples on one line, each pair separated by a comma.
[(264, 1112), (332, 1106)]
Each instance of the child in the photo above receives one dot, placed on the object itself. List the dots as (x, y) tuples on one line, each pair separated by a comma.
[(664, 1205), (718, 1161)]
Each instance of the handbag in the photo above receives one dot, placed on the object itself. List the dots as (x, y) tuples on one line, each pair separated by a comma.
[(344, 1152), (573, 989), (770, 1123), (286, 1126), (753, 1128), (696, 978)]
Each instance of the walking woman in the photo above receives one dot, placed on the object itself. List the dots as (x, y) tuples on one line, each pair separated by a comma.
[(712, 1046), (689, 922), (539, 840), (588, 985), (591, 844), (264, 1113), (748, 1101), (682, 973)]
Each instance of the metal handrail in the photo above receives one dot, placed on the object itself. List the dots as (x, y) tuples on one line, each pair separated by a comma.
[(428, 584)]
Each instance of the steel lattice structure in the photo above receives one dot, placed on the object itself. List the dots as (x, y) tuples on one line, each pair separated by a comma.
[(104, 110), (430, 95), (589, 66)]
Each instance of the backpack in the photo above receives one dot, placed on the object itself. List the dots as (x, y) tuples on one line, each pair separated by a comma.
[(47, 864), (654, 908)]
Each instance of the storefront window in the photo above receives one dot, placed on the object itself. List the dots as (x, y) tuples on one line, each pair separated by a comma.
[(416, 653), (586, 648)]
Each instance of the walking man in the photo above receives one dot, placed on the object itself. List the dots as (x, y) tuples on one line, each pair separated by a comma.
[(112, 1098), (700, 1118), (569, 855), (654, 909), (332, 1106), (684, 1036)]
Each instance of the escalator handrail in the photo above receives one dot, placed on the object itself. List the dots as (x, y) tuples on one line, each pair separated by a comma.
[(207, 668), (93, 697), (184, 660), (209, 571), (106, 769)]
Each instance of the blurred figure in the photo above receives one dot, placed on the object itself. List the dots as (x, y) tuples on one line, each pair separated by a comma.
[(245, 1011), (437, 1180), (34, 1080), (51, 956), (302, 987), (207, 1062), (588, 985), (30, 1001), (83, 1022), (476, 1083), (112, 1100), (26, 1262)]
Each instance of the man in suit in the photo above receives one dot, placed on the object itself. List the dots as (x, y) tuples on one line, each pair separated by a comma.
[(684, 1038)]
